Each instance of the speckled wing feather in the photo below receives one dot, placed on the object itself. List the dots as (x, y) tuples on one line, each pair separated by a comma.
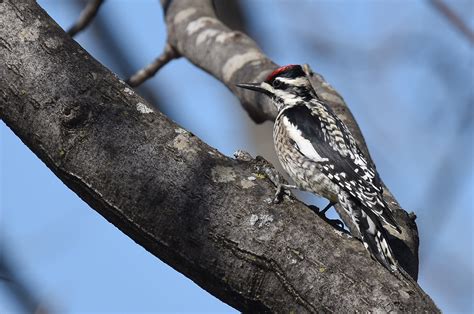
[(337, 155)]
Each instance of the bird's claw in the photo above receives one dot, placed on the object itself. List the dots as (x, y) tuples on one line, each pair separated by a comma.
[(336, 223), (282, 190)]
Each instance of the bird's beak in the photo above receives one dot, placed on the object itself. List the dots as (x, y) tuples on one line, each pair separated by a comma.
[(253, 86)]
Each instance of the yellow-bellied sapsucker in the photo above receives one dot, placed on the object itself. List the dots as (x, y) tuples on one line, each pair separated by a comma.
[(320, 154)]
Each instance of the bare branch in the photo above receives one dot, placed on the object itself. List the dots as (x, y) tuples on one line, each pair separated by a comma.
[(18, 288), (168, 54), (86, 17), (454, 19)]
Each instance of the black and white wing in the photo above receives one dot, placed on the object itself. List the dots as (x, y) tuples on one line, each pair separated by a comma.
[(322, 137)]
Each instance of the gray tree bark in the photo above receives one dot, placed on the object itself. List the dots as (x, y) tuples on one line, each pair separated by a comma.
[(206, 215)]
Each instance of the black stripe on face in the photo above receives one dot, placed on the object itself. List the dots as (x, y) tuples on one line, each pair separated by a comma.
[(303, 92), (279, 84)]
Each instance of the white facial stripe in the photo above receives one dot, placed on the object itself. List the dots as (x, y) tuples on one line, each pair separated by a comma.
[(289, 98), (299, 81), (267, 86), (305, 146)]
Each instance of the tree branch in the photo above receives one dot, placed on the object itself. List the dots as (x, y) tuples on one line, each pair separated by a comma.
[(86, 17), (194, 30), (18, 288), (205, 214), (454, 19), (147, 72)]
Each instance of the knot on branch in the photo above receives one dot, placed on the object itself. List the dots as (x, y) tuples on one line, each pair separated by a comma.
[(74, 116)]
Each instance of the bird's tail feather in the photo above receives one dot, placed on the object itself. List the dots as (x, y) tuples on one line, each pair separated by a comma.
[(372, 233), (378, 246), (383, 211)]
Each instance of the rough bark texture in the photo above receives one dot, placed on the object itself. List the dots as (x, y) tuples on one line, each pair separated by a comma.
[(205, 214)]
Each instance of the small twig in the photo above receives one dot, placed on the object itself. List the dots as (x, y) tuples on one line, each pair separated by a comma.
[(87, 15), (455, 20), (169, 53), (18, 288)]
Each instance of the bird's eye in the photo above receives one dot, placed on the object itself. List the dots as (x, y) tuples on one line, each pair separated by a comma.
[(276, 83)]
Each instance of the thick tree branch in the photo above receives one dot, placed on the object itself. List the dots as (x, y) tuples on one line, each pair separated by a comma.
[(194, 30), (206, 215)]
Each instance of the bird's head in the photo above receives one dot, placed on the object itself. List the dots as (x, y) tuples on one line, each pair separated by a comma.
[(286, 86)]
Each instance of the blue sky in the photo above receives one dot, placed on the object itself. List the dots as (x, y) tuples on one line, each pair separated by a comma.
[(406, 74)]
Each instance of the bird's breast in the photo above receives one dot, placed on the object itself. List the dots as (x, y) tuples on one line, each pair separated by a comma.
[(302, 170)]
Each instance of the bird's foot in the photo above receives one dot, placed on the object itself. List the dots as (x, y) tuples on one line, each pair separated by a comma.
[(282, 187), (281, 191), (336, 223)]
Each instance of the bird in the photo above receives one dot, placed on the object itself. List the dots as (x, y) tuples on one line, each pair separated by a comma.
[(321, 156)]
